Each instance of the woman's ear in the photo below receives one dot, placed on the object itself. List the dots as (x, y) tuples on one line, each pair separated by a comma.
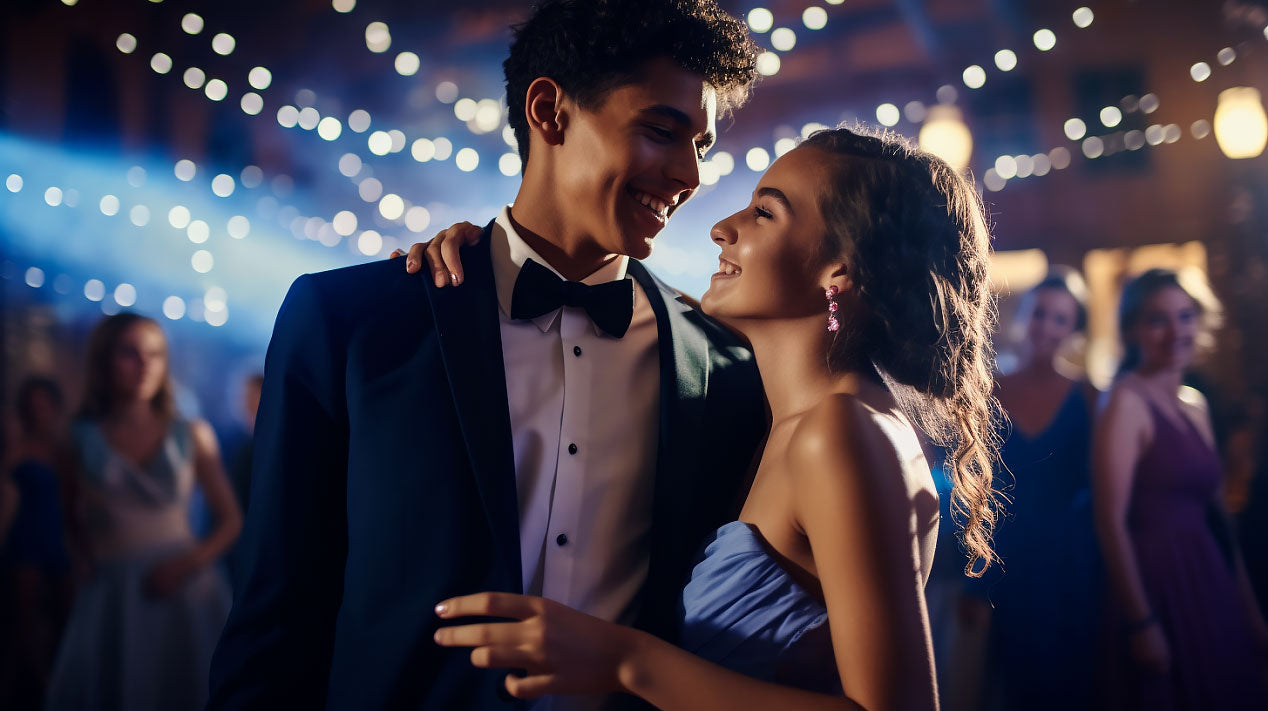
[(546, 111), (838, 275)]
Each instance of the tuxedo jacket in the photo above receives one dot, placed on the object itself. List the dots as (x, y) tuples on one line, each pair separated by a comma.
[(383, 483)]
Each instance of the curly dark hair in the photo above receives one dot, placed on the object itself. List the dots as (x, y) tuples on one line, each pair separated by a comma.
[(914, 237), (593, 46)]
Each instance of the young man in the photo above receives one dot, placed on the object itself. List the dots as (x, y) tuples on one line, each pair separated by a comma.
[(561, 425)]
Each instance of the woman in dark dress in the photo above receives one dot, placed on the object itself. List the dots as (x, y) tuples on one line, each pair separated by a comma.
[(1191, 635), (1041, 602)]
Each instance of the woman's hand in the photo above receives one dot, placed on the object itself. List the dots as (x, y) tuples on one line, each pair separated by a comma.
[(1150, 650), (561, 650), (167, 578), (441, 253)]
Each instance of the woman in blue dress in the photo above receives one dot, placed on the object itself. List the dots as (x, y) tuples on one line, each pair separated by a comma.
[(859, 274), (1041, 602), (145, 621)]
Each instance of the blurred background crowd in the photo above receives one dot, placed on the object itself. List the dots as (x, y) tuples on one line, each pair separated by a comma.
[(170, 167)]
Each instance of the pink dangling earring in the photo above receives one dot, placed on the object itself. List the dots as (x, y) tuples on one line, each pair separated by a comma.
[(831, 295)]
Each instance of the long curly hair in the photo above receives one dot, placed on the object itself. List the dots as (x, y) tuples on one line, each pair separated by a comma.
[(914, 237)]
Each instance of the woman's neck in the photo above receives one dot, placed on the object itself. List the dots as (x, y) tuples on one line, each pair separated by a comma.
[(131, 411), (1034, 366), (792, 357), (1165, 382)]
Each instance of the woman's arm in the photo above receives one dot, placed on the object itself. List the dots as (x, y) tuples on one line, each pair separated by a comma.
[(1117, 442), (564, 651), (215, 485)]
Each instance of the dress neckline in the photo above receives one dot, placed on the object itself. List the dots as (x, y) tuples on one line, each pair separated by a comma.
[(1070, 395)]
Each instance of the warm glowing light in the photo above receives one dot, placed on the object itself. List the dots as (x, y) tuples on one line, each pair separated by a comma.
[(1006, 60), (216, 90), (783, 39), (349, 164), (814, 18), (1200, 71), (1111, 116), (194, 77), (391, 206), (1075, 129), (252, 103), (1006, 167), (887, 114), (757, 159), (760, 20), (1045, 40), (1241, 127), (223, 44), (407, 64), (174, 307), (1082, 17), (768, 64), (509, 164), (126, 43), (417, 218), (370, 243), (161, 63), (192, 24), (974, 76), (239, 227), (259, 78), (467, 159), (465, 109), (178, 217), (198, 232), (344, 6), (423, 150), (724, 162), (377, 37), (329, 128), (379, 143), (202, 261), (945, 135), (222, 185)]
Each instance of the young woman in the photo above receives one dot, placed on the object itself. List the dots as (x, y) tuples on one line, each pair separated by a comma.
[(1189, 626), (144, 623), (1041, 601), (859, 275)]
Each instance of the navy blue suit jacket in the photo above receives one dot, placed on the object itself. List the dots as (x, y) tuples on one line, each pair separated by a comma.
[(384, 482)]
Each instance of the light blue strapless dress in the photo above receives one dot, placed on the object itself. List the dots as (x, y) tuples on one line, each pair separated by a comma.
[(741, 610)]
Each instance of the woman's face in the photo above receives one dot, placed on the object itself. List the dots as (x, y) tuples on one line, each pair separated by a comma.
[(1167, 330), (1053, 317), (139, 364), (768, 267)]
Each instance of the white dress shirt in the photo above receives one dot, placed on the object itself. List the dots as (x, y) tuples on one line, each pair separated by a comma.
[(585, 413)]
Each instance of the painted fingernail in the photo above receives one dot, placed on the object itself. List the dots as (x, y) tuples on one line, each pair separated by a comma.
[(411, 265), (436, 637), (441, 609), (453, 278)]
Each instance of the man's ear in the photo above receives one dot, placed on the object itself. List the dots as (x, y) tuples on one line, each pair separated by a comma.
[(545, 107)]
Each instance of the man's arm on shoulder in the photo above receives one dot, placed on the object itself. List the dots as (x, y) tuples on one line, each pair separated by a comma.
[(276, 647)]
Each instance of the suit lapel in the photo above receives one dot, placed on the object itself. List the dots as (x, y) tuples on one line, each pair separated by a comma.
[(470, 339), (684, 377)]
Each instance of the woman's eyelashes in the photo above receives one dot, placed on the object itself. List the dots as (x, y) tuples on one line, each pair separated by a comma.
[(760, 211)]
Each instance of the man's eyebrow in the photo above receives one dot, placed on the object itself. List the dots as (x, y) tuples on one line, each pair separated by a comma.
[(682, 119), (778, 196)]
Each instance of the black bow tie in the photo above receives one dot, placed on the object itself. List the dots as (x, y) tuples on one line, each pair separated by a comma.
[(538, 291)]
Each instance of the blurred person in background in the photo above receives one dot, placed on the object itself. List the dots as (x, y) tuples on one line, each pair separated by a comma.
[(146, 618), (1041, 603), (34, 566), (1190, 634)]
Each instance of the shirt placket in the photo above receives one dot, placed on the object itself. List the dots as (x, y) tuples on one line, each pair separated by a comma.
[(564, 541)]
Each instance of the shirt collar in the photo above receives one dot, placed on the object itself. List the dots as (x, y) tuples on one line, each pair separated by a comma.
[(509, 251)]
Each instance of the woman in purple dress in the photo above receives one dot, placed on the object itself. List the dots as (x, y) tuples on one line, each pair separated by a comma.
[(1191, 634)]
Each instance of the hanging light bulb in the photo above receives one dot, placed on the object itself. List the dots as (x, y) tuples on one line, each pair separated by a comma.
[(945, 135), (1241, 128)]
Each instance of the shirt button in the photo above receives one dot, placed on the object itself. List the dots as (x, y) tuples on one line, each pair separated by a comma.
[(576, 350), (572, 449), (561, 539)]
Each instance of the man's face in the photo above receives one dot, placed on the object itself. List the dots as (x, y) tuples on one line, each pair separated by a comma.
[(628, 163)]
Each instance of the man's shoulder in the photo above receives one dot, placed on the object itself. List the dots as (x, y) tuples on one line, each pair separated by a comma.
[(724, 343), (355, 290)]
